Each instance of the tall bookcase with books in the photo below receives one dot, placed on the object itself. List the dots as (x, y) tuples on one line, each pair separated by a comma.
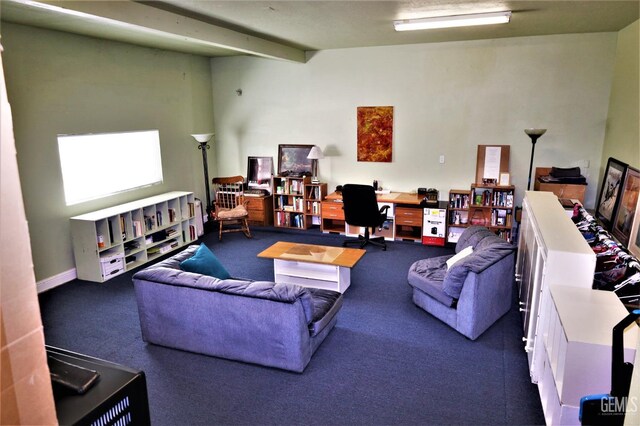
[(111, 241), (458, 218), (314, 193), (492, 206), (485, 205), (288, 202), (297, 202)]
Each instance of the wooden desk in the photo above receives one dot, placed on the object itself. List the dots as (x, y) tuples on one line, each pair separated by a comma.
[(392, 197), (406, 212), (562, 190)]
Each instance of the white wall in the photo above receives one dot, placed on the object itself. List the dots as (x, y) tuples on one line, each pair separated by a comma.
[(447, 98), (622, 138), (61, 83)]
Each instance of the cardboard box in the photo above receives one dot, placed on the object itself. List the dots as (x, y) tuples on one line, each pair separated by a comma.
[(112, 265)]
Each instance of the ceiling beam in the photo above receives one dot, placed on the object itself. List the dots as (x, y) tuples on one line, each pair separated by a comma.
[(150, 21)]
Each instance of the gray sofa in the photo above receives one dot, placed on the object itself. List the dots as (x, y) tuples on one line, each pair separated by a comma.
[(475, 291), (275, 325)]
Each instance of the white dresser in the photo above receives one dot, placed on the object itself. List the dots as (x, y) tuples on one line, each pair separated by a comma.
[(567, 324), (550, 250), (575, 331)]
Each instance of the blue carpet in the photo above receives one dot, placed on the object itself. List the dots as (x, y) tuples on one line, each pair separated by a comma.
[(386, 362)]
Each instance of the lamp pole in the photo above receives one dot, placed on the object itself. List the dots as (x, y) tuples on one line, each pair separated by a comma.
[(203, 145), (534, 134)]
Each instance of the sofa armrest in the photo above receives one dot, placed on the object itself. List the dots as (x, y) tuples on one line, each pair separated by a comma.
[(485, 297)]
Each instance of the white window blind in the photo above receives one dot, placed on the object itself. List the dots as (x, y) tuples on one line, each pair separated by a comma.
[(98, 165)]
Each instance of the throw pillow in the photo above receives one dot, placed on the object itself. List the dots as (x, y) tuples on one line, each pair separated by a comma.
[(206, 263), (459, 256)]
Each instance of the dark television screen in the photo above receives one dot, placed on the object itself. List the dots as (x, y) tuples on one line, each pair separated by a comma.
[(259, 172)]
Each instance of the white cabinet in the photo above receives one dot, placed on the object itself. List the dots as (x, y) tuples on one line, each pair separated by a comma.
[(575, 332), (111, 241), (550, 249)]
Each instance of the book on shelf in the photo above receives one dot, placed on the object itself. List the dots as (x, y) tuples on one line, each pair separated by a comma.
[(123, 228), (137, 228)]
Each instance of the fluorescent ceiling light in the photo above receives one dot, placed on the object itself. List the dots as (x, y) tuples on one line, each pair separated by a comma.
[(453, 21)]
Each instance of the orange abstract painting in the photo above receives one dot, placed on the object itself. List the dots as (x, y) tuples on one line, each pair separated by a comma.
[(375, 133)]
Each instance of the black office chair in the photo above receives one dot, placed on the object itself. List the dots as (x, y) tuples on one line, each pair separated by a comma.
[(361, 209)]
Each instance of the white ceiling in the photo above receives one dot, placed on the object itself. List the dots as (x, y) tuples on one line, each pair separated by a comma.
[(286, 29)]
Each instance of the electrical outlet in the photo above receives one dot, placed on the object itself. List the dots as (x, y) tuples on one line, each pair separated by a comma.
[(442, 159)]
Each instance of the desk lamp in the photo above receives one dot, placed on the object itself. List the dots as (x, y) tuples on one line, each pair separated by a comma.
[(534, 134), (203, 140), (315, 154)]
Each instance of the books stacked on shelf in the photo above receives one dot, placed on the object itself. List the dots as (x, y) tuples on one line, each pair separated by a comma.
[(149, 222), (192, 232), (313, 192), (298, 221), (192, 209), (131, 245), (171, 232), (282, 219), (172, 215), (159, 218), (459, 201), (122, 228), (313, 207), (505, 234), (501, 217), (503, 198), (137, 228), (293, 186), (163, 248), (482, 197)]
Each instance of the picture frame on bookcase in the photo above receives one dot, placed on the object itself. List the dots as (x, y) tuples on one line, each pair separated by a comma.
[(610, 191), (634, 240), (624, 216), (293, 161)]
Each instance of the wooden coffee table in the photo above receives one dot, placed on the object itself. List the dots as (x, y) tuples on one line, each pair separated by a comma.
[(310, 265)]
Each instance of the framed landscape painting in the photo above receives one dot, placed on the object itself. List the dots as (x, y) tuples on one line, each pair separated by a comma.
[(293, 161), (625, 213), (610, 192)]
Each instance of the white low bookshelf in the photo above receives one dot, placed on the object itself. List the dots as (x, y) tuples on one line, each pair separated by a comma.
[(111, 241)]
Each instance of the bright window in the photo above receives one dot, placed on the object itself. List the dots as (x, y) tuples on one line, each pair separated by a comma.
[(98, 165)]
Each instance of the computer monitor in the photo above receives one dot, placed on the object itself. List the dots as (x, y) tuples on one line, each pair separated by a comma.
[(259, 172)]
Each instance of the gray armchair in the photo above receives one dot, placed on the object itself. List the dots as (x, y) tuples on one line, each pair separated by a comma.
[(474, 292)]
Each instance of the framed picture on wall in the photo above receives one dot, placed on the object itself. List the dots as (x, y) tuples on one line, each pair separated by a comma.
[(610, 192), (627, 206), (293, 161), (634, 240)]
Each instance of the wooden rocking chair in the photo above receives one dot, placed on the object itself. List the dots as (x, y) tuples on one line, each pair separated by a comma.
[(230, 207)]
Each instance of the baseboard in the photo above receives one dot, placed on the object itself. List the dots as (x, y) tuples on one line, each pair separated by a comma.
[(56, 280)]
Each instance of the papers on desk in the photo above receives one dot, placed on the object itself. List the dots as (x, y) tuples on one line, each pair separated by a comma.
[(383, 191)]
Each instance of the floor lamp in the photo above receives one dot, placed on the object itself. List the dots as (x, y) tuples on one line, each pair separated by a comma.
[(534, 134), (203, 139)]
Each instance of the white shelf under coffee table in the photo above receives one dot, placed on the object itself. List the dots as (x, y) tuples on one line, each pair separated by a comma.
[(311, 265)]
